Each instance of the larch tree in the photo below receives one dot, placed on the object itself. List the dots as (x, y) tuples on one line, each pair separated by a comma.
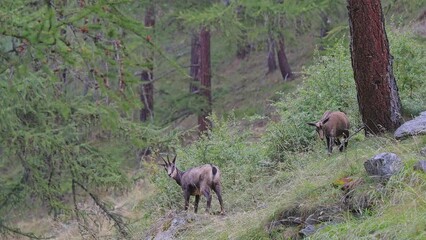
[(194, 68), (209, 17), (66, 93), (377, 91), (271, 21), (147, 75), (205, 80), (283, 63)]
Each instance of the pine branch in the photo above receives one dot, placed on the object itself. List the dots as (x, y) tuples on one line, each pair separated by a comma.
[(119, 224), (17, 231)]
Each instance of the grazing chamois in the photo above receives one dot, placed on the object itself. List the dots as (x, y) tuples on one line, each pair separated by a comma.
[(333, 125), (196, 181)]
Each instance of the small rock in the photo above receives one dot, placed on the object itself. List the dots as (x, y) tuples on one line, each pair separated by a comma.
[(416, 126), (420, 166), (308, 230), (311, 219), (383, 165), (423, 152)]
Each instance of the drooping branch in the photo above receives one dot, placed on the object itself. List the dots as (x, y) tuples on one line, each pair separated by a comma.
[(81, 227), (118, 222), (17, 231)]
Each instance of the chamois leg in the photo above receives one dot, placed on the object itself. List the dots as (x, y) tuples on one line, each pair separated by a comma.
[(218, 190), (338, 143), (197, 200), (346, 135), (206, 193), (186, 196), (345, 141), (329, 144)]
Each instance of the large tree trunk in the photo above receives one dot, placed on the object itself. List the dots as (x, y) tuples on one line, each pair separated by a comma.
[(195, 64), (272, 64), (147, 87), (377, 91), (205, 80), (282, 60)]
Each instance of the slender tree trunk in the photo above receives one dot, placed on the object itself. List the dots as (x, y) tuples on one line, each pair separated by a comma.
[(195, 64), (147, 87), (377, 92), (282, 60), (205, 80), (272, 63), (243, 46), (325, 27)]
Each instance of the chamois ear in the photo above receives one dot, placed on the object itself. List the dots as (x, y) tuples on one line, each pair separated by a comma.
[(325, 120), (312, 124)]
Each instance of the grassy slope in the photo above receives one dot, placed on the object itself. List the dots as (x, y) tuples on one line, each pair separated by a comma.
[(396, 211), (399, 212)]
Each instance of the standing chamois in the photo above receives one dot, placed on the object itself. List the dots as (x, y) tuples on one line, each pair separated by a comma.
[(333, 125), (196, 181)]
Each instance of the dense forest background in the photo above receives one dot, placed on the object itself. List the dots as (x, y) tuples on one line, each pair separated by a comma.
[(93, 91)]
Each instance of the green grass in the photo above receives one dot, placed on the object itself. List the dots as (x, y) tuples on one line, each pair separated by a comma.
[(400, 211), (287, 172)]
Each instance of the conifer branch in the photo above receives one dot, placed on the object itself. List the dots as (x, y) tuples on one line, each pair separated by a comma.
[(17, 231), (118, 222)]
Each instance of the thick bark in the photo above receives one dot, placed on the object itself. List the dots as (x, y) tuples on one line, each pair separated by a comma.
[(272, 63), (147, 87), (205, 80), (282, 60), (377, 91), (195, 64)]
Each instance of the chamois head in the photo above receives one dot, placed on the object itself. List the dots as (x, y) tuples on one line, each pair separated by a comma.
[(319, 127), (170, 166)]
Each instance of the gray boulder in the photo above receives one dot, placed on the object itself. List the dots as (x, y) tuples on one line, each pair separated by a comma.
[(383, 165), (420, 166), (416, 126)]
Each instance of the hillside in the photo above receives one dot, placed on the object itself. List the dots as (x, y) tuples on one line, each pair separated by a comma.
[(278, 180)]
